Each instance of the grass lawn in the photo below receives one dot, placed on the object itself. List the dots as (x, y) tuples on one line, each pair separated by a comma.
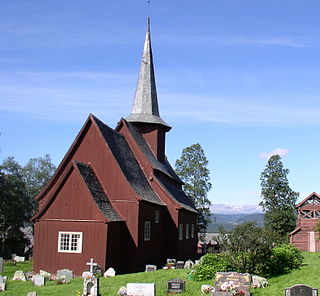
[(308, 274)]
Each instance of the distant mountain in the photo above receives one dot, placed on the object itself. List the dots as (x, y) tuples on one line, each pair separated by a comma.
[(229, 221), (235, 209)]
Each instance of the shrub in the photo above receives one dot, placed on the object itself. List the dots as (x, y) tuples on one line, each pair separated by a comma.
[(284, 258), (209, 265)]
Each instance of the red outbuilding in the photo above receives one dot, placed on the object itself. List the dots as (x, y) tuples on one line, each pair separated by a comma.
[(114, 196), (305, 236)]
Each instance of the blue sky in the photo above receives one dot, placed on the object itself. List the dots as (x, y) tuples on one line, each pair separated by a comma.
[(241, 77)]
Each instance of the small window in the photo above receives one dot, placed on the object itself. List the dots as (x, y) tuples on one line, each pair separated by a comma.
[(156, 216), (147, 230), (187, 231), (70, 242), (192, 230), (180, 231)]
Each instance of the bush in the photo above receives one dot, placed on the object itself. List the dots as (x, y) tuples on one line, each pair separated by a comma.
[(209, 265), (284, 258)]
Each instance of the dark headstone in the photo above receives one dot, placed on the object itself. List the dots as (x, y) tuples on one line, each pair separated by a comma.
[(150, 268), (301, 290), (176, 286), (1, 265), (180, 265), (240, 282)]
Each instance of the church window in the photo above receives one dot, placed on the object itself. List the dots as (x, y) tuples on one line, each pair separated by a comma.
[(192, 230), (70, 242), (187, 231), (180, 231), (156, 216), (147, 230)]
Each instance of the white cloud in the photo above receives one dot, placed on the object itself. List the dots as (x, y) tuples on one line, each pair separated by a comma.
[(235, 209), (277, 151)]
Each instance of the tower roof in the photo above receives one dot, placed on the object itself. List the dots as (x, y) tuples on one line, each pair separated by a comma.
[(145, 107)]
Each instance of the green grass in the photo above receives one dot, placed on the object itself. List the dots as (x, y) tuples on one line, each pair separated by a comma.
[(308, 274)]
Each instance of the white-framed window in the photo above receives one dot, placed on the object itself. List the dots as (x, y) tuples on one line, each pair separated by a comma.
[(187, 231), (70, 242), (147, 230), (192, 230), (156, 216), (180, 231)]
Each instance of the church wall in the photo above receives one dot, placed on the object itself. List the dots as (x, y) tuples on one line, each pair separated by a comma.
[(187, 246), (47, 257)]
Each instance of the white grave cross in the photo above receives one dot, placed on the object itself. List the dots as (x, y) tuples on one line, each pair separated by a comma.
[(91, 264)]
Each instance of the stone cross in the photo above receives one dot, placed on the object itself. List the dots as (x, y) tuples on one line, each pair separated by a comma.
[(91, 264)]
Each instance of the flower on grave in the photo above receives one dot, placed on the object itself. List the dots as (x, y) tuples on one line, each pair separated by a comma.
[(231, 287)]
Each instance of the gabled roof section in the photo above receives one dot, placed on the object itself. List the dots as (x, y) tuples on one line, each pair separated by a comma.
[(156, 164), (313, 198), (295, 231), (128, 163), (178, 195), (94, 187), (145, 107), (97, 192)]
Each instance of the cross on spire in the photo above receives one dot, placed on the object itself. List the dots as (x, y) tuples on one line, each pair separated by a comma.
[(91, 264)]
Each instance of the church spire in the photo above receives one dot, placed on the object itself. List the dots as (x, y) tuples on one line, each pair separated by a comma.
[(145, 107)]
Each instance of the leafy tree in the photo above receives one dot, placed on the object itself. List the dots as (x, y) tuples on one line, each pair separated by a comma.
[(278, 198), (192, 169), (14, 208), (36, 174)]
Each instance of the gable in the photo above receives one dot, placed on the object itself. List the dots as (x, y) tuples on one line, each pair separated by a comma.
[(79, 196), (312, 200)]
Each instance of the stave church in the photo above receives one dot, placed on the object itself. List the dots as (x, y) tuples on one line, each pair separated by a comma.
[(115, 197)]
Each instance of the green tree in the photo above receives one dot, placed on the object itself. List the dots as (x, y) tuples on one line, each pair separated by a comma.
[(14, 208), (36, 174), (193, 171), (278, 198)]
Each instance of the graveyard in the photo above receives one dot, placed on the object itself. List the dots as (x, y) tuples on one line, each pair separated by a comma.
[(307, 275)]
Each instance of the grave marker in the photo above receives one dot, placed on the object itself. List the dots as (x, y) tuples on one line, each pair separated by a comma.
[(91, 264), (225, 281), (180, 265), (91, 286), (150, 268), (141, 289), (189, 264), (19, 276), (67, 273), (301, 290), (2, 287), (39, 280), (1, 265), (176, 286)]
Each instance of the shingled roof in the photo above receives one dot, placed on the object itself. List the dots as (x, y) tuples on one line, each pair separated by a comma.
[(178, 195), (128, 163), (156, 164), (97, 192)]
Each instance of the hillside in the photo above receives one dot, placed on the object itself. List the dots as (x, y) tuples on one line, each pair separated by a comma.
[(229, 221)]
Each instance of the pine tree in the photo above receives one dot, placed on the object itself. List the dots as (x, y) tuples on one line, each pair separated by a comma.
[(278, 198), (192, 169)]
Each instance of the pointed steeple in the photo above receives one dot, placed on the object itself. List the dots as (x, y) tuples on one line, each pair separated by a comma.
[(145, 107)]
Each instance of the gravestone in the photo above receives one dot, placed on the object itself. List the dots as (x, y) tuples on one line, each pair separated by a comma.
[(110, 272), (33, 293), (29, 275), (19, 259), (2, 287), (150, 268), (176, 286), (19, 276), (301, 290), (122, 291), (45, 274), (3, 279), (171, 261), (39, 280), (67, 273), (180, 265), (240, 282), (141, 289), (1, 265), (189, 264), (91, 286)]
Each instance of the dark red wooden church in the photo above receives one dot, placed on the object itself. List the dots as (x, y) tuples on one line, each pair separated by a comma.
[(305, 236), (114, 196)]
